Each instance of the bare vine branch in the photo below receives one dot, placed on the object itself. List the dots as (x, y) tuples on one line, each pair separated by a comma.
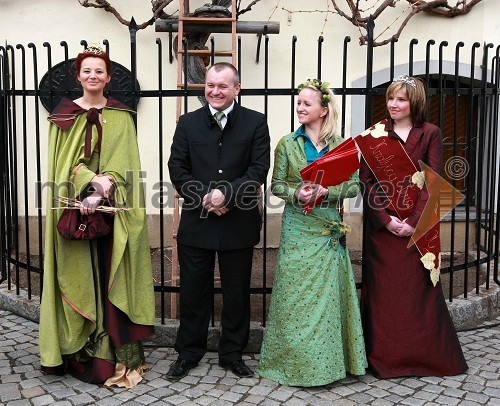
[(157, 8), (348, 9), (438, 7), (248, 8)]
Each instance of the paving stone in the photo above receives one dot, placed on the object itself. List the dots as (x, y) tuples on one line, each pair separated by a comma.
[(32, 392), (433, 388), (493, 392), (455, 393), (301, 394), (21, 402), (109, 402), (377, 393), (14, 378), (296, 402), (176, 399), (270, 402), (279, 395), (451, 383), (424, 395), (361, 398), (468, 403), (260, 390), (414, 402), (446, 400), (63, 393), (232, 397), (9, 391), (42, 400), (343, 391), (205, 400), (194, 393), (402, 390), (208, 384), (102, 393), (394, 398), (329, 396), (383, 384), (145, 399), (240, 389), (254, 399), (216, 393), (432, 379), (477, 397)]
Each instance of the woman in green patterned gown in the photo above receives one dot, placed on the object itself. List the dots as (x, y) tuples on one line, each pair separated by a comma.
[(314, 335)]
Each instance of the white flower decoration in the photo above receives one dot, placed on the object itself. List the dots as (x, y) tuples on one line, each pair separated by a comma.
[(377, 131), (418, 178), (435, 276), (428, 260)]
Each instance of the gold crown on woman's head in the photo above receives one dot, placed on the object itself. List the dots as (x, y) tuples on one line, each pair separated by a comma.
[(405, 79), (320, 86), (94, 48)]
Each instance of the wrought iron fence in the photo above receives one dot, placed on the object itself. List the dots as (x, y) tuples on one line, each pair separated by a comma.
[(465, 106)]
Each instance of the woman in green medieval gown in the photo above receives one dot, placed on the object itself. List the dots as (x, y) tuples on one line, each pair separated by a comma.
[(314, 335), (98, 300)]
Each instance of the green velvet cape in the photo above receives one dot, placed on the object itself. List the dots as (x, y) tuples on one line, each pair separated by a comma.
[(69, 307)]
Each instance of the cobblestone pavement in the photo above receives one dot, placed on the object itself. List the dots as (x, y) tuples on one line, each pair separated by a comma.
[(22, 383)]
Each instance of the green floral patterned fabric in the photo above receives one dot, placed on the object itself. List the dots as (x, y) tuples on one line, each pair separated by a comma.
[(314, 334)]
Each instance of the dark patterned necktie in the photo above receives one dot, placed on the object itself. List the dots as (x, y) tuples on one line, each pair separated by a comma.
[(218, 117)]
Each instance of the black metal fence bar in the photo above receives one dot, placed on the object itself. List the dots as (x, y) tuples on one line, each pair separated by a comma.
[(480, 126), (4, 269)]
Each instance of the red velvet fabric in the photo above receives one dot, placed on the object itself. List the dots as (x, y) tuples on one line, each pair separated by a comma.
[(407, 327)]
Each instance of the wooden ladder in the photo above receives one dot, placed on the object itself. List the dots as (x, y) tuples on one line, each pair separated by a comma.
[(184, 23)]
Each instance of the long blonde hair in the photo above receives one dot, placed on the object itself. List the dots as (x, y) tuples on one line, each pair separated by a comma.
[(330, 125)]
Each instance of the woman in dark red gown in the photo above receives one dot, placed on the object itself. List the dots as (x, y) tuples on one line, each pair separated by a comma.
[(407, 327)]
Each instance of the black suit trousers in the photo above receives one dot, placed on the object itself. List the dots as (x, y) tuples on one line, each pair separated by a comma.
[(196, 298)]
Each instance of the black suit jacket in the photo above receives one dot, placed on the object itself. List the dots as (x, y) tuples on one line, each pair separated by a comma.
[(235, 160)]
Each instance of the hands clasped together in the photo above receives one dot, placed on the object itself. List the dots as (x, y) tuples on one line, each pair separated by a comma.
[(308, 192), (214, 202), (400, 227), (103, 189)]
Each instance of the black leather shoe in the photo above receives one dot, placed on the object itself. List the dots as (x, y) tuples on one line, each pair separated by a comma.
[(237, 367), (179, 369)]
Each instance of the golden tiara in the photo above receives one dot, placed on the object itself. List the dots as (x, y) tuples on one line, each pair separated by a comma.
[(94, 49)]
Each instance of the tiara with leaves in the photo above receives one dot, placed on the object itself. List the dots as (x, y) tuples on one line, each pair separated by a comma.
[(406, 80), (95, 49), (320, 86)]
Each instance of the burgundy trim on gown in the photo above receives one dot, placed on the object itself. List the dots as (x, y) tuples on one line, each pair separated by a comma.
[(407, 327), (117, 324)]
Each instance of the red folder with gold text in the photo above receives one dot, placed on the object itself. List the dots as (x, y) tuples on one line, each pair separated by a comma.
[(333, 168)]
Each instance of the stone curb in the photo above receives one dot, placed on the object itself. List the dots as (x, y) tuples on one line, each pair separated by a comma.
[(465, 313)]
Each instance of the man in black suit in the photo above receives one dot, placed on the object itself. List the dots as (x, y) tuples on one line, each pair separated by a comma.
[(217, 164)]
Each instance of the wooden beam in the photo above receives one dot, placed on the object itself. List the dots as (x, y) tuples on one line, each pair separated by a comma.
[(242, 27)]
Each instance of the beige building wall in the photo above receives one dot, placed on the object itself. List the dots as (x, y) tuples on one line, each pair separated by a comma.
[(54, 21)]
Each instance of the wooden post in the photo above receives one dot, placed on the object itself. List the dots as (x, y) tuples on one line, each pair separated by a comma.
[(242, 27)]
